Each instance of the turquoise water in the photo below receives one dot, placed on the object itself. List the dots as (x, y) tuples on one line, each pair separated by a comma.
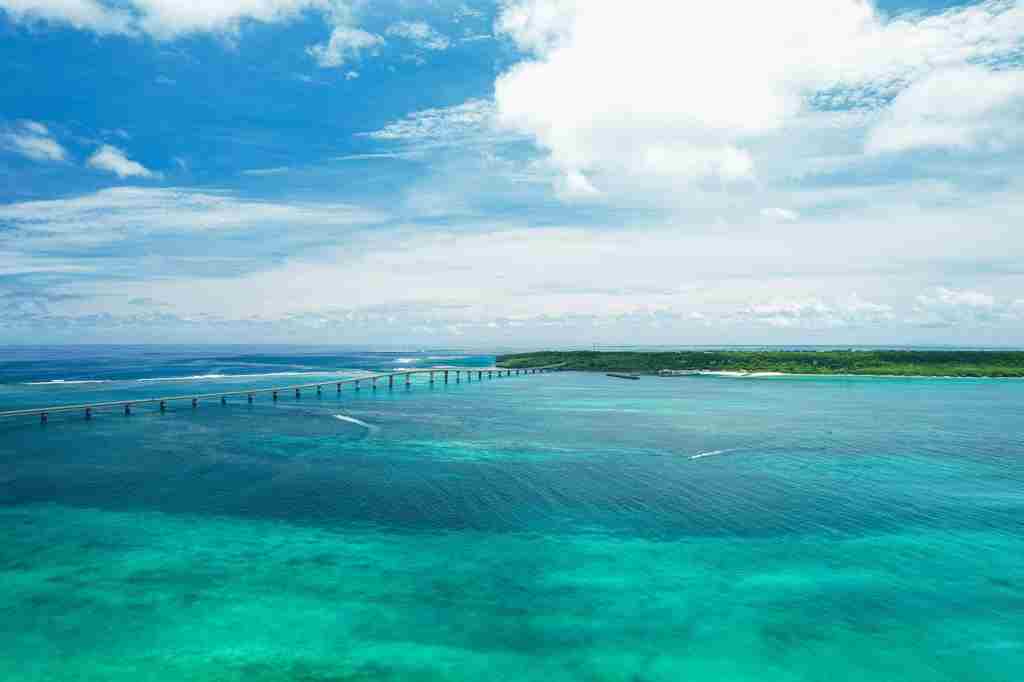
[(553, 527)]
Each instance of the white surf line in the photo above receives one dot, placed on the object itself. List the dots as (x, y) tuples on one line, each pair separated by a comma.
[(64, 382)]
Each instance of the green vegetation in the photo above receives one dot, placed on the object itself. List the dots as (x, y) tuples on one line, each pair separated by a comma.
[(892, 362)]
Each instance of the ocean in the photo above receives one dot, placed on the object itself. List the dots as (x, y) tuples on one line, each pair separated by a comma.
[(563, 526)]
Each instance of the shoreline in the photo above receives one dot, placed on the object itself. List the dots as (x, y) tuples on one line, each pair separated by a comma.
[(769, 375), (767, 364)]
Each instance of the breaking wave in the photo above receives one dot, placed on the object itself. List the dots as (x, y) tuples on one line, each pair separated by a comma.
[(64, 382)]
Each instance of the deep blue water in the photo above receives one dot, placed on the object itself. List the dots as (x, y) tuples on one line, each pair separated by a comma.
[(558, 526)]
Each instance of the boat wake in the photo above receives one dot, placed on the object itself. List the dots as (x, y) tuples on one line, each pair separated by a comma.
[(359, 422), (712, 453)]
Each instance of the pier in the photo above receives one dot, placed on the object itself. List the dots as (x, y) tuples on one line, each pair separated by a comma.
[(88, 409)]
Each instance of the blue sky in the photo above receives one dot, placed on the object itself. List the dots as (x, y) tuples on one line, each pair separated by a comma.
[(528, 172)]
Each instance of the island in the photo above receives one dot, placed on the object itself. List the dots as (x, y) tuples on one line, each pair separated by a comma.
[(934, 363)]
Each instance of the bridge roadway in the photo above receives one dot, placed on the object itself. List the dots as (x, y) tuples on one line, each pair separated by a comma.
[(127, 405)]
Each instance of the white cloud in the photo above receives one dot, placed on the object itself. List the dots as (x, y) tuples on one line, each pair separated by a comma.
[(382, 155), (167, 19), (967, 308), (277, 170), (653, 96), (81, 14), (965, 106), (957, 298), (575, 185), (738, 283), (444, 124), (737, 277), (815, 313), (421, 33), (538, 25), (33, 140), (119, 212), (782, 215), (111, 159), (345, 44)]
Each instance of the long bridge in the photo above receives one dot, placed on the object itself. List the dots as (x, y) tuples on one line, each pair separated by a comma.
[(87, 409)]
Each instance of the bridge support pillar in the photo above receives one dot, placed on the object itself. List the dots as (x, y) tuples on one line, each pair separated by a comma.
[(391, 381), (223, 400), (163, 406), (127, 410), (43, 417), (298, 394), (479, 376), (446, 377), (275, 396), (319, 390), (195, 402), (431, 377), (408, 377), (339, 387)]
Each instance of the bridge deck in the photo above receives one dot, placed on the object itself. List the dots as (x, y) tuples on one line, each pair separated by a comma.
[(56, 409)]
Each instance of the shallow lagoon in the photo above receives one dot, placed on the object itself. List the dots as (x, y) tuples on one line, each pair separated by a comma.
[(563, 526)]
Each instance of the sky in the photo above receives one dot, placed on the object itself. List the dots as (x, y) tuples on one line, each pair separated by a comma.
[(514, 173)]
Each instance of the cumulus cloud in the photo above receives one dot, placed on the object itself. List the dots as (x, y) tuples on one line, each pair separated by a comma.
[(655, 95), (957, 298), (113, 160), (34, 141), (81, 14), (962, 107), (345, 44), (420, 33), (815, 313), (950, 307)]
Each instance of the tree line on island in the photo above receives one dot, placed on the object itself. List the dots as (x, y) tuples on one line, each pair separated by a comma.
[(953, 363)]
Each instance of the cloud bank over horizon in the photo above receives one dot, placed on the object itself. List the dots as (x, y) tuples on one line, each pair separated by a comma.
[(523, 172)]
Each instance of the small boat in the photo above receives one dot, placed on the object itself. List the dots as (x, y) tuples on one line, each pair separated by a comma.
[(634, 377)]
